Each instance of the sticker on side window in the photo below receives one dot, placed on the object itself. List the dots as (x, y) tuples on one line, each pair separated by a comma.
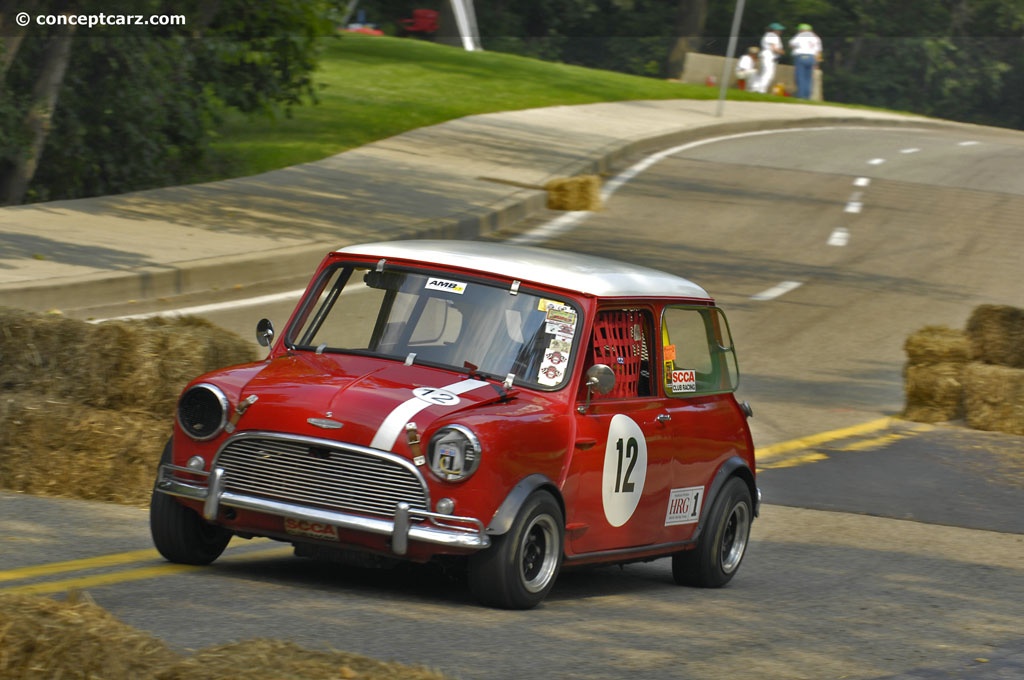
[(560, 320), (684, 380), (445, 285)]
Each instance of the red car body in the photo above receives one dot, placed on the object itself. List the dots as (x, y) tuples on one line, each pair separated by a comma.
[(521, 408)]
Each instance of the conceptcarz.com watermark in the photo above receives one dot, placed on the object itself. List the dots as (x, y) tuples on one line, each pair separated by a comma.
[(24, 19)]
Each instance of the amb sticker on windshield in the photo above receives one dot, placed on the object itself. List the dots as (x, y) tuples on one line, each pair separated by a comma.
[(625, 470), (456, 287)]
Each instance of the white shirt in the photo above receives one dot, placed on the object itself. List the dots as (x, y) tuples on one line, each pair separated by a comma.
[(769, 43), (805, 42)]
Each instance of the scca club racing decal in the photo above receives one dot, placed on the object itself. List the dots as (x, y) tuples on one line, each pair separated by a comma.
[(625, 470)]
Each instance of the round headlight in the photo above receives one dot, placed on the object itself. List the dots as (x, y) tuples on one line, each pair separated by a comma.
[(202, 411), (454, 453)]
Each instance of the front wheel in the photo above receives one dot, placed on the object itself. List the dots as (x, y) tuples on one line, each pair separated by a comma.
[(520, 567), (722, 543), (180, 534)]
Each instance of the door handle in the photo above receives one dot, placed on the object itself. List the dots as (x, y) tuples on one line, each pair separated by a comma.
[(663, 418)]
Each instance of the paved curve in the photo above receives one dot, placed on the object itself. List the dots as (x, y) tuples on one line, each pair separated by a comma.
[(463, 178)]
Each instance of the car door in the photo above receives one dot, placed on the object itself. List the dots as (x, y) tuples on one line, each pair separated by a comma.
[(698, 376), (621, 468)]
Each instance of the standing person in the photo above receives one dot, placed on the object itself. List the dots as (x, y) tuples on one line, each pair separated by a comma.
[(806, 49), (746, 68), (771, 50)]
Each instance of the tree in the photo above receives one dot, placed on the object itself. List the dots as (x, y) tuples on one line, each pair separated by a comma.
[(121, 107), (691, 17), (38, 117)]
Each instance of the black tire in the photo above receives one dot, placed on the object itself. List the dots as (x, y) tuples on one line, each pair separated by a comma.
[(180, 534), (520, 567), (722, 543)]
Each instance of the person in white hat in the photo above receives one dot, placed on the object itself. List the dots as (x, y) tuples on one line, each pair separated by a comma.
[(805, 47), (771, 50)]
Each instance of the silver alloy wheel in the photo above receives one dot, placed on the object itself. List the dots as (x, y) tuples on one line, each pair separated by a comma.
[(539, 553), (735, 534)]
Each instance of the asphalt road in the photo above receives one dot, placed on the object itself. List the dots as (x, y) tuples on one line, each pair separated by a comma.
[(895, 552)]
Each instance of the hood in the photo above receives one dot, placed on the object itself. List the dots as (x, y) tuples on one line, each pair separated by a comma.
[(360, 400)]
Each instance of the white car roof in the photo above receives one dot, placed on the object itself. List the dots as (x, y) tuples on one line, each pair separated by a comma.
[(560, 269)]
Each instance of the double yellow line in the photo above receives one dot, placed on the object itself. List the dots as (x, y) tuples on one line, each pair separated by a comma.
[(785, 454), (800, 451), (48, 587)]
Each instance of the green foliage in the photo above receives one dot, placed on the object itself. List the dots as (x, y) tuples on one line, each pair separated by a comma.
[(372, 88), (137, 103)]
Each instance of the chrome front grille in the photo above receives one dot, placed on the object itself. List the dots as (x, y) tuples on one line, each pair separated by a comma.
[(320, 473)]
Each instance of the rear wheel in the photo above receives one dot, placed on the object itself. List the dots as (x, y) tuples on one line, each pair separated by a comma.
[(179, 533), (722, 543), (520, 567)]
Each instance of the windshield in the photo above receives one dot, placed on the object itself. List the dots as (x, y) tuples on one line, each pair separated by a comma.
[(439, 320)]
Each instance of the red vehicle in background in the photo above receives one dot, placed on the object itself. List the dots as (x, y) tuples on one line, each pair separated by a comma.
[(518, 409)]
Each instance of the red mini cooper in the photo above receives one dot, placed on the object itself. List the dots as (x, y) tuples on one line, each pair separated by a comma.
[(520, 408)]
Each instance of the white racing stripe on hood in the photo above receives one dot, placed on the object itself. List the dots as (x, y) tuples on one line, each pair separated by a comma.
[(395, 423)]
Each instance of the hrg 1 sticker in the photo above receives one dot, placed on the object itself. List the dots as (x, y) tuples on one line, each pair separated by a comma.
[(684, 505), (625, 470)]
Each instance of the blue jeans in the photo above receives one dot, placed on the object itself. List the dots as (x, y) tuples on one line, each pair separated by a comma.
[(804, 67)]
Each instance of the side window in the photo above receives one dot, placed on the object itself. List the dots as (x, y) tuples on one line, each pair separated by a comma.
[(622, 340), (697, 352)]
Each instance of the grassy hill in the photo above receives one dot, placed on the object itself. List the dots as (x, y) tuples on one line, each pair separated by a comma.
[(371, 88)]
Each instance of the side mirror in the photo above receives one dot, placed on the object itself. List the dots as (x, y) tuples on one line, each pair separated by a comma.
[(600, 379), (265, 332)]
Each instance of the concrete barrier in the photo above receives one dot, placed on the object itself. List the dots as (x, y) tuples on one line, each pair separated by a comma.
[(705, 69)]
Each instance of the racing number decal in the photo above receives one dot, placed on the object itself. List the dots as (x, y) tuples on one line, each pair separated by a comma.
[(436, 396), (625, 470), (627, 452)]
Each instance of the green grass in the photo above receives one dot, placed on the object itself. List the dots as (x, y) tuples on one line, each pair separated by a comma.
[(371, 88)]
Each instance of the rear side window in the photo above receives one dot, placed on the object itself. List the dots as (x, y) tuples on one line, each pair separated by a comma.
[(697, 352)]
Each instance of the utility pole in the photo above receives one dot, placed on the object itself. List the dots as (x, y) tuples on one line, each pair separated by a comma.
[(737, 18)]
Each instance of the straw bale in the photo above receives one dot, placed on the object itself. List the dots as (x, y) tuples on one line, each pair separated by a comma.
[(937, 345), (934, 392), (996, 334), (45, 638), (263, 659), (77, 639), (65, 448), (116, 364), (147, 363), (36, 348), (994, 398), (574, 193)]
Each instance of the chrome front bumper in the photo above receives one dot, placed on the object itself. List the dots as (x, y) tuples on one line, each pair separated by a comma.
[(450, 531)]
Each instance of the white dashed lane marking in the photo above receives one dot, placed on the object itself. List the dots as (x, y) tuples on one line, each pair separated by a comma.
[(840, 236), (777, 291)]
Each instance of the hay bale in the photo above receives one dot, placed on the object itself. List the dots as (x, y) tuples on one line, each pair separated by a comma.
[(934, 392), (263, 659), (77, 639), (994, 398), (65, 448), (116, 364), (36, 349), (574, 193), (996, 334), (937, 345), (45, 638), (147, 363)]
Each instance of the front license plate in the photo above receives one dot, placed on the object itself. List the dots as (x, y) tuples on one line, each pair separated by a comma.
[(301, 527)]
